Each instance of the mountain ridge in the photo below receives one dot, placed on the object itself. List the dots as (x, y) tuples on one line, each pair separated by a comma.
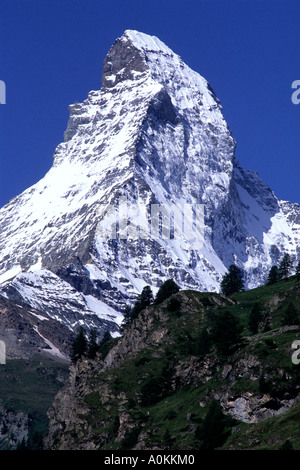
[(155, 134)]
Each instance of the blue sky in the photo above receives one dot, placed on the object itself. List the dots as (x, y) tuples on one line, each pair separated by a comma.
[(51, 54)]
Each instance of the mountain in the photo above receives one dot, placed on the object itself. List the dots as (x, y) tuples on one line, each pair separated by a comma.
[(153, 388), (153, 137)]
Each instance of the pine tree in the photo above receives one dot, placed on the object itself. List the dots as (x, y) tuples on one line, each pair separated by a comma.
[(105, 344), (146, 297), (143, 301), (255, 318), (215, 428), (126, 319), (232, 281), (79, 346), (273, 276), (285, 267), (165, 291), (93, 345)]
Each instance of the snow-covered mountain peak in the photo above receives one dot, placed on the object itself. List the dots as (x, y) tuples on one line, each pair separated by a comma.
[(132, 55), (153, 134), (137, 54), (147, 43)]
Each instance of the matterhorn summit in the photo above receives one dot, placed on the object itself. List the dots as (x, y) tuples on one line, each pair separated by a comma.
[(153, 136)]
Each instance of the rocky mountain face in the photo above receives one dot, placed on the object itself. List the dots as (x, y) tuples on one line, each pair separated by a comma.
[(26, 332), (153, 136), (13, 428), (154, 385)]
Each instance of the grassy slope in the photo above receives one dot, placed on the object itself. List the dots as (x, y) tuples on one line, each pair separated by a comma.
[(172, 419)]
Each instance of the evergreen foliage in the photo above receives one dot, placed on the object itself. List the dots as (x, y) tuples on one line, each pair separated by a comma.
[(226, 333), (215, 428), (165, 291), (144, 300), (105, 344), (273, 276), (93, 345), (285, 267), (232, 281), (79, 346)]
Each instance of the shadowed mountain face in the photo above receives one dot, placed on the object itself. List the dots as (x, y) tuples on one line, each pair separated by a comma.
[(154, 134)]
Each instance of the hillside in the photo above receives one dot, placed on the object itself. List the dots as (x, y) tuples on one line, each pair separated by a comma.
[(153, 387)]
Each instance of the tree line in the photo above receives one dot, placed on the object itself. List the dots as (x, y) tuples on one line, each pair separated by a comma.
[(233, 280), (231, 283)]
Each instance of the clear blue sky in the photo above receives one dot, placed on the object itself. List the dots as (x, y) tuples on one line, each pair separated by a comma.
[(51, 54)]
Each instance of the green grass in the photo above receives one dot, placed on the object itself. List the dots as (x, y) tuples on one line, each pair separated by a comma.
[(269, 434), (171, 412)]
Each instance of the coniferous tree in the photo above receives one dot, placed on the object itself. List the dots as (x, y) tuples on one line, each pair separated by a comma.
[(165, 291), (215, 428), (127, 318), (255, 318), (105, 345), (144, 300), (226, 333), (93, 345), (79, 346), (285, 267), (273, 276), (232, 281)]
